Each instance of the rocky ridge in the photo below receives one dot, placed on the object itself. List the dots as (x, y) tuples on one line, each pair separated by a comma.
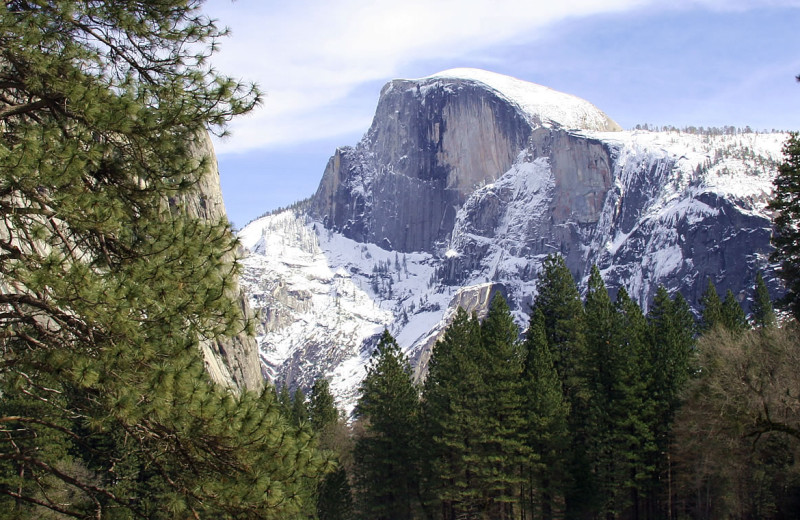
[(463, 184)]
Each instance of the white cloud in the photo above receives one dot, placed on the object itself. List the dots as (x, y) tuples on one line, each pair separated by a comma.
[(310, 56)]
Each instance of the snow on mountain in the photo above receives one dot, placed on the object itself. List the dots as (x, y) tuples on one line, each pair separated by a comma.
[(317, 289), (324, 298), (544, 105), (462, 186)]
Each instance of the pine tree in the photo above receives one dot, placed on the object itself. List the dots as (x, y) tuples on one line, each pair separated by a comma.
[(613, 344), (299, 411), (786, 239), (501, 449), (452, 388), (334, 496), (763, 313), (109, 284), (631, 411), (601, 374), (671, 342), (711, 311), (321, 407), (733, 317), (559, 302), (386, 470), (545, 423)]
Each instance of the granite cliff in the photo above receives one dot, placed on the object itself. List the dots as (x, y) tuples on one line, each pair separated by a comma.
[(233, 361), (462, 185)]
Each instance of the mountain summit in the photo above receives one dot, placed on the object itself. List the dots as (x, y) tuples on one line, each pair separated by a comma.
[(465, 181), (543, 106)]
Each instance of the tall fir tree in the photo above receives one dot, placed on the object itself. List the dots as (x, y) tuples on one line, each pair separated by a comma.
[(322, 410), (299, 410), (601, 375), (501, 450), (559, 302), (386, 468), (334, 495), (451, 419), (710, 308), (110, 284), (546, 413), (762, 310), (631, 411), (733, 317), (671, 343), (786, 239)]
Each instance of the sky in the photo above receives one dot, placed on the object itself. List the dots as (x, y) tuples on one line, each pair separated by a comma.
[(322, 64)]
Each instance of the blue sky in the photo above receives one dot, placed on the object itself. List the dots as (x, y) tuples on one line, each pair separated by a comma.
[(322, 65)]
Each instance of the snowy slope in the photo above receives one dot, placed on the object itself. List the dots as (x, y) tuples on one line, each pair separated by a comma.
[(325, 298), (473, 178), (319, 290)]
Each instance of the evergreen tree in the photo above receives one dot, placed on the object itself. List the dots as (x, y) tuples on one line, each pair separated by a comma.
[(786, 239), (501, 449), (763, 313), (299, 411), (334, 501), (109, 284), (601, 373), (321, 408), (334, 496), (386, 470), (671, 343), (631, 411), (711, 311), (452, 388), (559, 302), (733, 317), (545, 423)]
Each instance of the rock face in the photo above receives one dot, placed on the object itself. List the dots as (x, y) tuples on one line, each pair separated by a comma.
[(465, 182), (432, 142), (232, 362)]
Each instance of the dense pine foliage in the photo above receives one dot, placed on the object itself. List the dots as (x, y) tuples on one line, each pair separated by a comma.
[(786, 204), (599, 411), (108, 284)]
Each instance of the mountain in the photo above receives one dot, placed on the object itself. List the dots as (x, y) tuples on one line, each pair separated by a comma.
[(233, 361), (463, 184)]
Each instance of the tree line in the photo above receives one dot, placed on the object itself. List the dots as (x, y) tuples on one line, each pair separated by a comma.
[(600, 411)]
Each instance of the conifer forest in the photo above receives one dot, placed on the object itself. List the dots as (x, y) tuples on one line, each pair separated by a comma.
[(111, 288)]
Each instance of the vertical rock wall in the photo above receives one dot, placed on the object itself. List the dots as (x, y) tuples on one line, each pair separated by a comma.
[(234, 361)]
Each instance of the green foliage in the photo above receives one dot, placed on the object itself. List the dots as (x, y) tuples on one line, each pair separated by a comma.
[(299, 410), (385, 469), (565, 325), (474, 415), (109, 283), (452, 389), (786, 239), (733, 317), (321, 408), (711, 308), (560, 304), (334, 495), (501, 447), (763, 312), (546, 413), (671, 331)]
